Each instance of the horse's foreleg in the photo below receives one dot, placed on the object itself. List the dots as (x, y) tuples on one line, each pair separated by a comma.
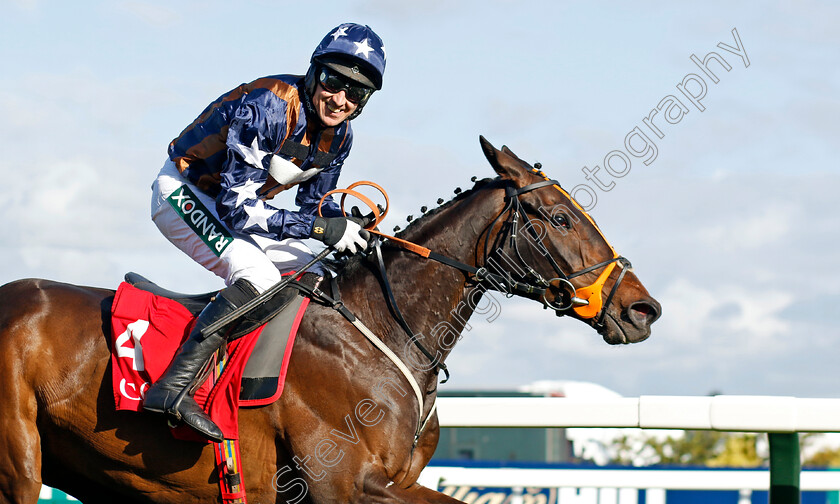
[(20, 445)]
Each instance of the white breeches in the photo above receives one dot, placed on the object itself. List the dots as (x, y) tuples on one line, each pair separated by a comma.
[(255, 258)]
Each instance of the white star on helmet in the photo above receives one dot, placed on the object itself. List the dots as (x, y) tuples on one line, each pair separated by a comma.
[(340, 32), (363, 48)]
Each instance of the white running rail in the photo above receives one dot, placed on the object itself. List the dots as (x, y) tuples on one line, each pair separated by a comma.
[(779, 416), (723, 413)]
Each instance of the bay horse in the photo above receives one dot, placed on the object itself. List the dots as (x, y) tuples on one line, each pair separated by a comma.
[(346, 427)]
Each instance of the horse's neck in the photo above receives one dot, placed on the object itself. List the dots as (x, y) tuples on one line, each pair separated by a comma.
[(434, 298)]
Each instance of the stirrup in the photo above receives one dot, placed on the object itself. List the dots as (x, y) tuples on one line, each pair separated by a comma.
[(171, 412)]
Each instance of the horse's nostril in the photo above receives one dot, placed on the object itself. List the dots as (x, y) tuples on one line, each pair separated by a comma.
[(644, 312)]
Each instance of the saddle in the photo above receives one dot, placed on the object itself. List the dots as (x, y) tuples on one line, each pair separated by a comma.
[(192, 302), (149, 323)]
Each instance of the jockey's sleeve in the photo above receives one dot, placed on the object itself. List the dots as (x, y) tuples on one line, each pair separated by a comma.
[(258, 125)]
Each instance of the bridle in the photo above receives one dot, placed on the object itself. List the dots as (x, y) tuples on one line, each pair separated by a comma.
[(532, 284), (586, 301)]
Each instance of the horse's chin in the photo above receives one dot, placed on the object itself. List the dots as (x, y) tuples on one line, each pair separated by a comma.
[(617, 332)]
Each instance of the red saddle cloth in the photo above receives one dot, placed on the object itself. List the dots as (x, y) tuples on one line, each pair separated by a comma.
[(146, 332)]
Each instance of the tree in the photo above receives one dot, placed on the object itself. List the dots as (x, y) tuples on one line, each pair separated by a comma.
[(739, 450), (693, 448), (827, 457)]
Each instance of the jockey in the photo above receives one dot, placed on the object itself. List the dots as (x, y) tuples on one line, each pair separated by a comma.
[(250, 144)]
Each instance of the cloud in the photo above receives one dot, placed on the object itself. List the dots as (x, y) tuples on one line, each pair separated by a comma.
[(712, 316), (399, 10), (734, 227), (68, 197), (759, 228), (724, 256)]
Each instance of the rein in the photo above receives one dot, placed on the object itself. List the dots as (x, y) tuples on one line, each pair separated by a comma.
[(586, 301), (337, 304)]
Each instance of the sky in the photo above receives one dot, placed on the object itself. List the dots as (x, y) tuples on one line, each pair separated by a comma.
[(729, 220)]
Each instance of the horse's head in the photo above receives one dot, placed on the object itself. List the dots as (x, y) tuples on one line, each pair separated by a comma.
[(543, 238)]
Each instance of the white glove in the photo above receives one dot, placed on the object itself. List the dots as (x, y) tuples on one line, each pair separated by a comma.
[(342, 233), (352, 238)]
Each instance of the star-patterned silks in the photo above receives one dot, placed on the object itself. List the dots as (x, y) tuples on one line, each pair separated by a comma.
[(258, 215), (363, 48), (246, 191), (253, 155)]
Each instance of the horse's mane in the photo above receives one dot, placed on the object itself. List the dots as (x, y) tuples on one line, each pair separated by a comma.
[(347, 266)]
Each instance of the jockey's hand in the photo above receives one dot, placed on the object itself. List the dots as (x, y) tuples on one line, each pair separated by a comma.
[(341, 233), (365, 219)]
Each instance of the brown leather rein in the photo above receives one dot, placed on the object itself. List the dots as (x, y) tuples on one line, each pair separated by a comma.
[(585, 301)]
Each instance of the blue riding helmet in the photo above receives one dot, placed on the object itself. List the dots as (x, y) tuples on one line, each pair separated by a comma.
[(354, 51)]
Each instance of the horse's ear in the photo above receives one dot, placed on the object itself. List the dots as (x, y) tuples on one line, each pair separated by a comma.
[(505, 162)]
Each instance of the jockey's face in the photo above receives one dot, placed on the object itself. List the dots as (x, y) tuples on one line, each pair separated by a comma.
[(332, 108)]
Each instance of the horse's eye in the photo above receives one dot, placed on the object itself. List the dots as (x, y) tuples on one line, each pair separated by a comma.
[(561, 221)]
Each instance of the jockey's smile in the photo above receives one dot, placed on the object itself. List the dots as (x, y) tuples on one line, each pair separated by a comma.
[(332, 108), (254, 140)]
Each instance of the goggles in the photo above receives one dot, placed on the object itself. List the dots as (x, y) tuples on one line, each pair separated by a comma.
[(334, 82)]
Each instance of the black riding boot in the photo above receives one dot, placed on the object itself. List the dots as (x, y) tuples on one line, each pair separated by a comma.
[(171, 393)]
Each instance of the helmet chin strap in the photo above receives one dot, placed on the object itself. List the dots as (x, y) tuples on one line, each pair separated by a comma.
[(309, 90)]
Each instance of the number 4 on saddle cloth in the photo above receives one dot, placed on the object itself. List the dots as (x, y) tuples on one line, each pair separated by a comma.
[(149, 324)]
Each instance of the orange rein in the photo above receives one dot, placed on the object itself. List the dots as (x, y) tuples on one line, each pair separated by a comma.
[(377, 215), (592, 293)]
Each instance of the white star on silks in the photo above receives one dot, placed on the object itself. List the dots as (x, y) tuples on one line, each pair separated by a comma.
[(340, 32), (384, 56), (363, 48), (246, 191), (258, 215), (253, 155)]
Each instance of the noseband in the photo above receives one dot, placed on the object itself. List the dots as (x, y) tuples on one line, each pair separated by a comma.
[(585, 301)]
